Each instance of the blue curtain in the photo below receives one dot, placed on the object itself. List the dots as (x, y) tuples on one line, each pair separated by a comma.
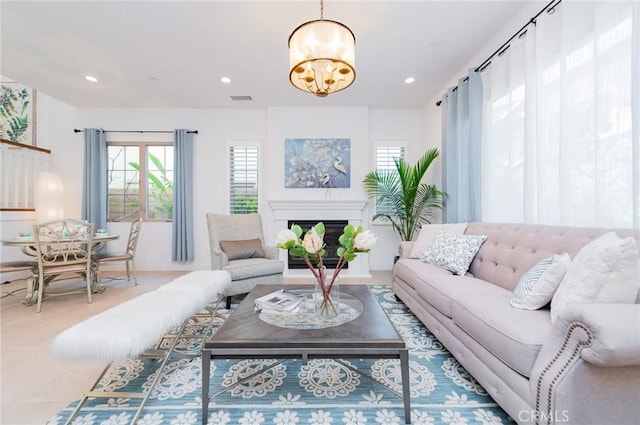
[(461, 134), (94, 179), (182, 249)]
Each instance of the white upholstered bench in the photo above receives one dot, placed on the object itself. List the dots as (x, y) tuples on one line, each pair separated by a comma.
[(128, 330)]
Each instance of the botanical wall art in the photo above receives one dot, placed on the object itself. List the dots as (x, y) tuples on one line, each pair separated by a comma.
[(17, 113), (317, 163)]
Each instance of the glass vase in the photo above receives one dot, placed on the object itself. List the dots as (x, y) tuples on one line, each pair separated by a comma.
[(327, 298)]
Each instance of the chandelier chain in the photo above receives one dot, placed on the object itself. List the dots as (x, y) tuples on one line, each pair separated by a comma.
[(321, 9)]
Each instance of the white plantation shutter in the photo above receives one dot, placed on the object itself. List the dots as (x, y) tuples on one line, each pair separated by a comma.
[(385, 160), (243, 179)]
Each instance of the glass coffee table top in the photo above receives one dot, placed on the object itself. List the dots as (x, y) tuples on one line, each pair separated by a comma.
[(305, 316)]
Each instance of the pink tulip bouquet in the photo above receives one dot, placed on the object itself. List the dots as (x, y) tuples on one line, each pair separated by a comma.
[(311, 248)]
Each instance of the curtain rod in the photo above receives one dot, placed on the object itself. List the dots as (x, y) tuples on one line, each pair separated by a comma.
[(75, 130), (520, 33)]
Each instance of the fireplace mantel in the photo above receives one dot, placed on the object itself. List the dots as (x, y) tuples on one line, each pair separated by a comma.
[(322, 209), (318, 205)]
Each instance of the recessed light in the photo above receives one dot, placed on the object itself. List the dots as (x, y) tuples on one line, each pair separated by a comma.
[(409, 80), (225, 80), (91, 78)]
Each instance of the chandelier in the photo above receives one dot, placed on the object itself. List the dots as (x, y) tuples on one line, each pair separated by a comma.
[(322, 56)]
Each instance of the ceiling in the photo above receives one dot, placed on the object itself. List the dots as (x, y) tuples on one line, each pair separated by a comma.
[(172, 54)]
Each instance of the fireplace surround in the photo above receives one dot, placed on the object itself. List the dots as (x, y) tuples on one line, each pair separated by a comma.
[(332, 231), (351, 211)]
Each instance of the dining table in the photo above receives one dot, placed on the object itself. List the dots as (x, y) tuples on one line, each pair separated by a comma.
[(27, 245)]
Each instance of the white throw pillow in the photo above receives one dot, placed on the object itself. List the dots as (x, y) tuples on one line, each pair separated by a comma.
[(537, 286), (428, 234), (453, 252), (605, 270)]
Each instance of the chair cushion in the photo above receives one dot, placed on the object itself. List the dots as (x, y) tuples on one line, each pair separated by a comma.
[(111, 256), (253, 267), (236, 250), (14, 266)]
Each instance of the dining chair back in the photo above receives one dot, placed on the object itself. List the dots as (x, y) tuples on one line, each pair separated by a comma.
[(101, 258), (63, 246)]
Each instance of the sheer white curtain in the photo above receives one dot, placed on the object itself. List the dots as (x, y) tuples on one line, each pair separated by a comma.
[(560, 128)]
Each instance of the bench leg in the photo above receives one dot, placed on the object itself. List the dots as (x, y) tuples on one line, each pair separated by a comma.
[(166, 355)]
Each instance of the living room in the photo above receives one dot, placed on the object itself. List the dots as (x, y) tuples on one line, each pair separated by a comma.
[(414, 125)]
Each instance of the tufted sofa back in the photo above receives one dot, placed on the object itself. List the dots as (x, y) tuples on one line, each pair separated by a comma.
[(512, 249)]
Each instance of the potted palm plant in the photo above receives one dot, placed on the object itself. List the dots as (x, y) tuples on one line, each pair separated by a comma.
[(407, 203)]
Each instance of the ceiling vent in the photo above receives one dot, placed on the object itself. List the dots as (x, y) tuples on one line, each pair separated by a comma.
[(241, 98)]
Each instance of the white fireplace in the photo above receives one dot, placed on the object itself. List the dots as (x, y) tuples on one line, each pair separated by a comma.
[(326, 209)]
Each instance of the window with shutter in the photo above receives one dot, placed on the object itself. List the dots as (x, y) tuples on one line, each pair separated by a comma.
[(385, 160), (243, 179)]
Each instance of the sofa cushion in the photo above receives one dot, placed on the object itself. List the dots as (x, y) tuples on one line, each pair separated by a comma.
[(453, 252), (536, 288), (439, 290), (428, 233), (513, 335), (253, 267), (605, 270), (415, 271)]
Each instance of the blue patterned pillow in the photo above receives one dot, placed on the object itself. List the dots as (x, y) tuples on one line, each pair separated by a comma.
[(537, 286), (453, 252)]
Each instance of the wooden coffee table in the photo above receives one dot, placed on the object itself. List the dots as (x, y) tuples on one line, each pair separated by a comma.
[(370, 335)]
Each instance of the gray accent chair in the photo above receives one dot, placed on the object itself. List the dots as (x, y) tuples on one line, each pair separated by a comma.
[(246, 273)]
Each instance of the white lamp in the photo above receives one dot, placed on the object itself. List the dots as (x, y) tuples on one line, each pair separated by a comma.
[(49, 196)]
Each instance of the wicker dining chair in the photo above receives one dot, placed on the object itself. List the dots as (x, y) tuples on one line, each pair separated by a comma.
[(62, 247), (101, 258)]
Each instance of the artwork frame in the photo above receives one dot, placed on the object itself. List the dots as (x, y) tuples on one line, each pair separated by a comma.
[(17, 113), (317, 163)]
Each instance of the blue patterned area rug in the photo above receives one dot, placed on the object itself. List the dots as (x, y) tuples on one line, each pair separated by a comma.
[(322, 392)]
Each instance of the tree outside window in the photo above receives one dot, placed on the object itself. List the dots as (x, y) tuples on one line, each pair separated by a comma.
[(140, 188)]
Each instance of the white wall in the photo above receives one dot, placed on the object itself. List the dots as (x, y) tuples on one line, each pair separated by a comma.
[(216, 128), (432, 113), (393, 125), (54, 123)]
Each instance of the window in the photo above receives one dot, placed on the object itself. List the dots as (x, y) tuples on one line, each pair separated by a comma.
[(559, 144), (243, 179), (140, 187), (386, 154)]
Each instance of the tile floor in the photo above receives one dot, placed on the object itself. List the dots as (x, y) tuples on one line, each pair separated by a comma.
[(34, 385)]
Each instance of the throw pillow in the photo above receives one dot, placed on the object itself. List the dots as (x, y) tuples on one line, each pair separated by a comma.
[(453, 252), (604, 270), (536, 287), (428, 233), (236, 250)]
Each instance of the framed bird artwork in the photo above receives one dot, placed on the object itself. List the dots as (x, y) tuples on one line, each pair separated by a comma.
[(317, 163)]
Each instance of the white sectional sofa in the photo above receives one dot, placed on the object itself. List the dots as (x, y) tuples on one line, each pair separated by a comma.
[(582, 369)]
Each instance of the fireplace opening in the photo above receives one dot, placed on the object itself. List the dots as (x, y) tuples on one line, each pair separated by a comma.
[(332, 231)]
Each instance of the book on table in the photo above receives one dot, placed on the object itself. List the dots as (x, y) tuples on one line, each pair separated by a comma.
[(281, 300)]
